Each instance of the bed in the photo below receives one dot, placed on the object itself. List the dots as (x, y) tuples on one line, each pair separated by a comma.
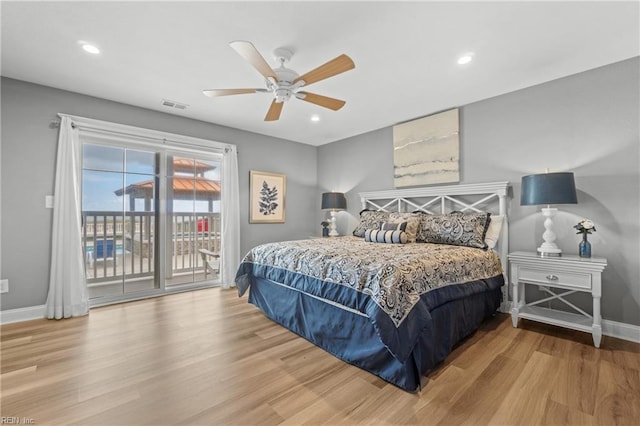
[(395, 310)]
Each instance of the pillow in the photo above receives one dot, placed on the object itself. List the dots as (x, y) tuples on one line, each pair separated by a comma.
[(393, 226), (413, 223), (459, 229), (493, 231), (380, 236), (370, 220)]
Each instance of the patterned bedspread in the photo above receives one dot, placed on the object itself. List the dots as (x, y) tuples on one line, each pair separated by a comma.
[(379, 280)]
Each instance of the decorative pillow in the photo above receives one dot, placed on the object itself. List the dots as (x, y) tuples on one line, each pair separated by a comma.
[(370, 220), (380, 236), (493, 231), (460, 229), (393, 226), (413, 223)]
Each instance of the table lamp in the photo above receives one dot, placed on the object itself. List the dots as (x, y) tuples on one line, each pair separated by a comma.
[(548, 188), (333, 201)]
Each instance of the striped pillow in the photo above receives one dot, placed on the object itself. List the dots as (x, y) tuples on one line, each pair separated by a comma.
[(379, 236)]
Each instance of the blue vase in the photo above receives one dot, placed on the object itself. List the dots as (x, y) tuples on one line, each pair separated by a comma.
[(584, 248)]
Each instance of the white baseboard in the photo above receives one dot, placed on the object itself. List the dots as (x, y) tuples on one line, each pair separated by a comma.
[(621, 330), (23, 314), (615, 329)]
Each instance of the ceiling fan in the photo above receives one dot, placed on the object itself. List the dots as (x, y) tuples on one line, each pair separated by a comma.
[(284, 83)]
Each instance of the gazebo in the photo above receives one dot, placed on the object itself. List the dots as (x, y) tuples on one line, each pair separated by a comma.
[(188, 183), (185, 186)]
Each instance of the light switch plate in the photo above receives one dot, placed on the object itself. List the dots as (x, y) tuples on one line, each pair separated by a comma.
[(4, 286), (48, 201)]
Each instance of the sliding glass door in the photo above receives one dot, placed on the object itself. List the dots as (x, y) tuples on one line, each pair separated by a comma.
[(128, 192), (193, 218)]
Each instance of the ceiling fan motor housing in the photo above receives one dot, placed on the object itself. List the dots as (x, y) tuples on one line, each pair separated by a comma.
[(285, 74), (284, 88)]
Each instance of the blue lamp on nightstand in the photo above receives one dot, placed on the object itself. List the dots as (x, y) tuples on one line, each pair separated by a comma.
[(334, 202), (548, 188)]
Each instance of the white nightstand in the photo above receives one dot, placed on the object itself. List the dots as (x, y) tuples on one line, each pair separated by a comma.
[(566, 274)]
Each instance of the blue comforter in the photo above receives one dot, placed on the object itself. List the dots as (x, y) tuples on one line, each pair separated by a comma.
[(395, 285)]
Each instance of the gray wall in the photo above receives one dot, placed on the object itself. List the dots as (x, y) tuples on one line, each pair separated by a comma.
[(28, 167), (587, 123)]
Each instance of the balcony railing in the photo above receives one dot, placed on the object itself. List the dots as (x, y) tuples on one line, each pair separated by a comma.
[(117, 244)]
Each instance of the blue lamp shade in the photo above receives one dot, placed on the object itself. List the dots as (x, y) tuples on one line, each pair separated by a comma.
[(334, 201), (548, 188)]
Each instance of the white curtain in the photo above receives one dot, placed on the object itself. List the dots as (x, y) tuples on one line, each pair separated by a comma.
[(230, 217), (68, 294)]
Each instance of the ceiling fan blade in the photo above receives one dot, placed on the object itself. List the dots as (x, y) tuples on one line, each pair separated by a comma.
[(323, 101), (250, 54), (274, 111), (226, 92), (334, 67)]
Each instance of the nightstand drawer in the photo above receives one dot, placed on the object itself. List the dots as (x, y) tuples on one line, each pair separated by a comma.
[(554, 278)]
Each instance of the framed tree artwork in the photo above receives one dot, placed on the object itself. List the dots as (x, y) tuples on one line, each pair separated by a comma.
[(267, 196)]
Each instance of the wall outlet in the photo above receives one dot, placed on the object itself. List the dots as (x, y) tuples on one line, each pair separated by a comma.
[(4, 286)]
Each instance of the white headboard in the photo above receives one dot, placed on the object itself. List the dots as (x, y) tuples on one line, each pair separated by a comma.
[(476, 197)]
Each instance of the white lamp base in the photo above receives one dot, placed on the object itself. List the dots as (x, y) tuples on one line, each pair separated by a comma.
[(549, 247), (333, 232)]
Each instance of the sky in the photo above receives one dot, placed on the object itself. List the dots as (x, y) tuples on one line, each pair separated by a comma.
[(107, 169)]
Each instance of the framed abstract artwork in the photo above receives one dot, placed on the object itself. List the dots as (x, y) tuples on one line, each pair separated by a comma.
[(267, 196), (426, 151)]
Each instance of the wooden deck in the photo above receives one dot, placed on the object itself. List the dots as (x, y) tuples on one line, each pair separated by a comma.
[(208, 357)]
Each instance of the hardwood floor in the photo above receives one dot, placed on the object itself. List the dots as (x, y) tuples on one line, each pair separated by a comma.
[(208, 357)]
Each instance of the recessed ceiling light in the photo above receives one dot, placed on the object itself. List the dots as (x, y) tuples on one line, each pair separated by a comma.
[(90, 48), (315, 117), (465, 59)]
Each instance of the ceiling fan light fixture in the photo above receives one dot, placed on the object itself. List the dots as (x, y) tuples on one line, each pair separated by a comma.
[(282, 94), (315, 118)]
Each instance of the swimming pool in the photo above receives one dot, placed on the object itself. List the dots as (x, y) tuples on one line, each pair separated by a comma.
[(119, 249)]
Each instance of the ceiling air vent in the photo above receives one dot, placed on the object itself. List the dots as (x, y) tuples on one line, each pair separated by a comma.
[(174, 104)]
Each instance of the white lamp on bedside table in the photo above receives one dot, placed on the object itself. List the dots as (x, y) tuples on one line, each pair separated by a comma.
[(548, 188), (334, 202)]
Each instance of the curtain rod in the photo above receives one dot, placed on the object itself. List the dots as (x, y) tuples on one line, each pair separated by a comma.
[(56, 124)]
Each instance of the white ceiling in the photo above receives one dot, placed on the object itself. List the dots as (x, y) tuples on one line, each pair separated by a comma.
[(405, 54)]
